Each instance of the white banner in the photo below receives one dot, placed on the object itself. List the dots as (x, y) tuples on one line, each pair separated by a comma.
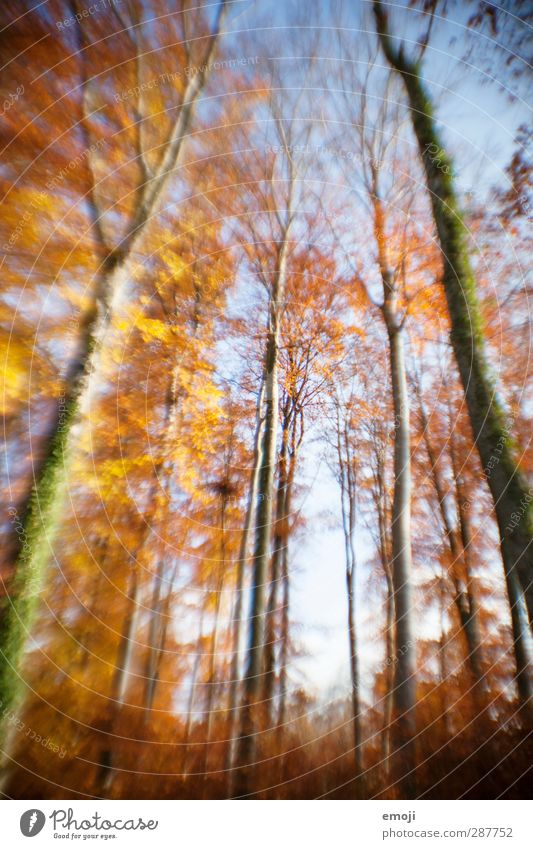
[(256, 825)]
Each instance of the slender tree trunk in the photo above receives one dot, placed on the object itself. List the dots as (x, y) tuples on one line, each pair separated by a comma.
[(285, 581), (467, 599), (279, 541), (492, 433), (404, 726), (284, 636), (348, 494), (254, 665), (404, 719)]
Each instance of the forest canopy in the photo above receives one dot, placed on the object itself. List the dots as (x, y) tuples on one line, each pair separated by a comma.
[(265, 328)]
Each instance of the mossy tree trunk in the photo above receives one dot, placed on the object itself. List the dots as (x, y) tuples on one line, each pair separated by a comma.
[(35, 520), (492, 431)]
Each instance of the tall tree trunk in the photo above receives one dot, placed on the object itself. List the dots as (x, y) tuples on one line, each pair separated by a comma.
[(39, 513), (522, 639), (254, 664), (404, 720), (239, 588), (492, 434)]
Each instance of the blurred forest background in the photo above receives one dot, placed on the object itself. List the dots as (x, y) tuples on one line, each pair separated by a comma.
[(264, 319)]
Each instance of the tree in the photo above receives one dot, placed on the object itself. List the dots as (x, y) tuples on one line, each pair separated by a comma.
[(40, 510), (458, 536), (346, 472), (492, 430)]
